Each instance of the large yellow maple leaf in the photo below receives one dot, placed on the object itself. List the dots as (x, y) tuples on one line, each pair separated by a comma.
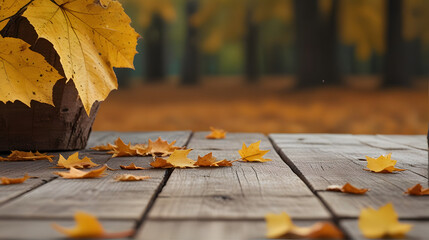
[(382, 164), (91, 38), (253, 153), (382, 223), (24, 74), (8, 9)]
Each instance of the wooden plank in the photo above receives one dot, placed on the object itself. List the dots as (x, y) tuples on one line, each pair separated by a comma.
[(208, 230), (374, 141), (233, 141), (420, 229), (14, 229), (414, 141), (244, 191), (107, 198), (324, 166)]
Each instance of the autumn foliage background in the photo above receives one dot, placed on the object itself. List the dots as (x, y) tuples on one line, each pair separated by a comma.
[(334, 66)]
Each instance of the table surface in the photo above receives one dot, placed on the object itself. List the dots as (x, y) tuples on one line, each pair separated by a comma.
[(221, 203)]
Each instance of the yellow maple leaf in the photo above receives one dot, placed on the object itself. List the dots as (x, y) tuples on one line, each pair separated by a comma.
[(123, 150), (347, 188), (132, 166), (382, 164), (74, 161), (417, 190), (74, 173), (90, 39), (130, 177), (253, 153), (216, 133), (7, 181), (88, 226), (281, 226), (160, 148), (24, 74), (8, 9), (209, 161), (27, 156), (382, 223), (161, 163), (179, 159), (107, 147)]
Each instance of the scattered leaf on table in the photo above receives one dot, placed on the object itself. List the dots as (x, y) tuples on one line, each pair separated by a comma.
[(281, 226), (216, 133), (161, 163), (209, 161), (132, 166), (7, 181), (253, 153), (90, 40), (123, 150), (161, 148), (347, 188), (179, 159), (417, 190), (27, 156), (130, 177), (75, 173), (382, 164), (382, 223), (108, 147), (88, 226), (74, 161)]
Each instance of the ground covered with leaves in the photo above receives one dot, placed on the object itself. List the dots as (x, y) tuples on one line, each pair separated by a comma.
[(270, 106)]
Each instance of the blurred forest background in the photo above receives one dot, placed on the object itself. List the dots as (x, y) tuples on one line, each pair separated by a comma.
[(335, 66)]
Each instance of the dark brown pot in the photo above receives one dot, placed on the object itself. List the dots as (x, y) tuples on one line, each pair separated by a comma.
[(44, 127)]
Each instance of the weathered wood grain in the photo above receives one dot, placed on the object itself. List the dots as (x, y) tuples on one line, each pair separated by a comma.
[(208, 230), (14, 229), (420, 229), (414, 141), (322, 166), (244, 191), (373, 141), (233, 141), (105, 197)]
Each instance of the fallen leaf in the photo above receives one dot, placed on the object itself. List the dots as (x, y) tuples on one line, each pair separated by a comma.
[(382, 223), (129, 177), (7, 181), (132, 166), (161, 163), (123, 150), (347, 188), (209, 161), (253, 153), (75, 173), (27, 156), (179, 159), (74, 161), (24, 74), (216, 133), (107, 147), (161, 148), (281, 226), (382, 164), (90, 40), (417, 190), (88, 226)]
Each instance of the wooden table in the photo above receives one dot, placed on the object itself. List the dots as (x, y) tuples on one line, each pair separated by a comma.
[(222, 203)]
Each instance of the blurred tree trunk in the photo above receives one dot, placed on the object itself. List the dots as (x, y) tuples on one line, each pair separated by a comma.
[(190, 71), (154, 42), (251, 58), (396, 67), (329, 63), (307, 43)]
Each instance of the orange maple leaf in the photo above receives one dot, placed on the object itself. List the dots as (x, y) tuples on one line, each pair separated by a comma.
[(209, 161), (132, 166), (281, 226), (7, 181), (347, 188), (27, 156), (417, 190), (161, 163), (382, 164), (253, 153), (108, 147), (74, 161), (129, 177), (177, 159), (75, 173), (216, 133), (161, 148), (88, 226)]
